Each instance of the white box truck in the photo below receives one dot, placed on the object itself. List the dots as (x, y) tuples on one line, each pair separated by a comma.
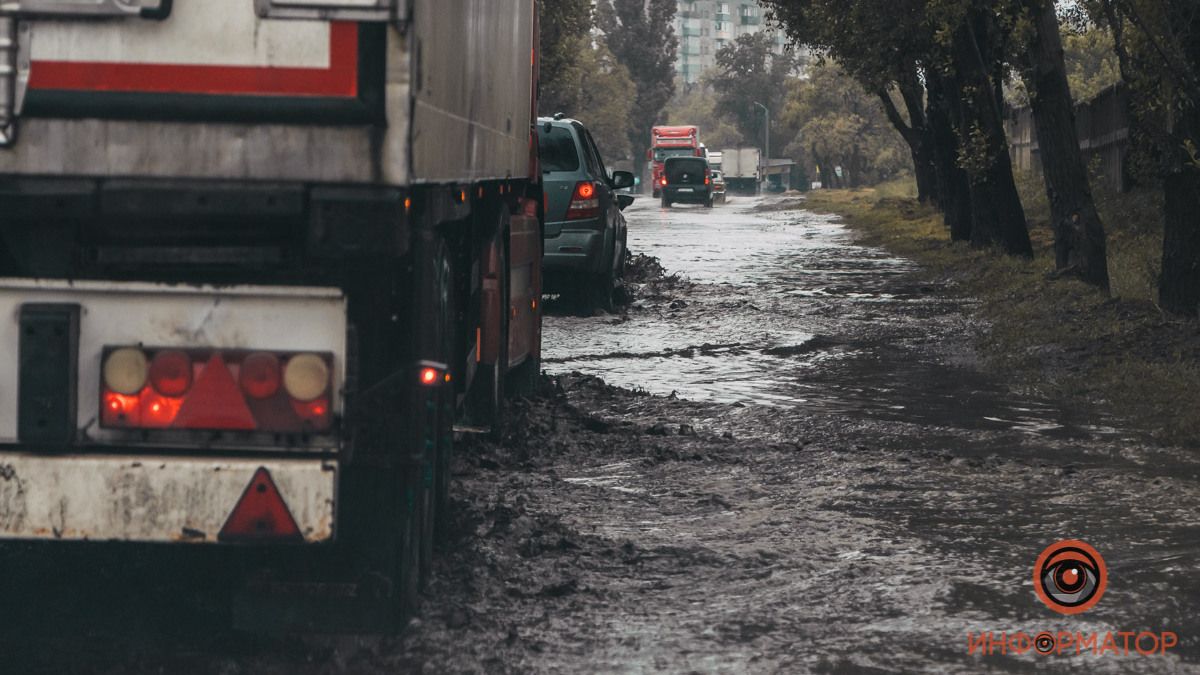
[(741, 167)]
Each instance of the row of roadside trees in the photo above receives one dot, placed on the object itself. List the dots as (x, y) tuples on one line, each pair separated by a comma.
[(938, 68), (833, 129), (611, 63)]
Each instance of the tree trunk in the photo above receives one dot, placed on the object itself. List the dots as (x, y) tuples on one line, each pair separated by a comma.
[(918, 146), (998, 219), (914, 94), (824, 169), (1079, 245), (953, 187), (925, 171), (1179, 285), (856, 168)]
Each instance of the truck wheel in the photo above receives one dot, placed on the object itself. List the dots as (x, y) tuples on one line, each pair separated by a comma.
[(523, 380), (487, 392), (447, 401), (434, 306), (408, 546)]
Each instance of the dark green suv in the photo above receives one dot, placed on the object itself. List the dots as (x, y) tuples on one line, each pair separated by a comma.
[(687, 179), (585, 230)]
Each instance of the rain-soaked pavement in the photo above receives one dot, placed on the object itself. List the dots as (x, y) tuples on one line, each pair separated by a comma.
[(823, 480), (789, 461)]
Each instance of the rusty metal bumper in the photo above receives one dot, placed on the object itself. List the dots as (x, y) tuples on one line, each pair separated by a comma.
[(142, 498)]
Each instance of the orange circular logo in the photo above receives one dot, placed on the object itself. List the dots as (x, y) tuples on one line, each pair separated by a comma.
[(1070, 576)]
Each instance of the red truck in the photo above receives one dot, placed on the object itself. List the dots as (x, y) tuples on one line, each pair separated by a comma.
[(671, 142), (259, 260)]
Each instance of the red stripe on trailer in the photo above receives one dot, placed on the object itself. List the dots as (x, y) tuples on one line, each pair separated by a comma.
[(339, 80)]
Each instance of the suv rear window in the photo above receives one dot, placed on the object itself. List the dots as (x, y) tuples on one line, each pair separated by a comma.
[(556, 149), (694, 167)]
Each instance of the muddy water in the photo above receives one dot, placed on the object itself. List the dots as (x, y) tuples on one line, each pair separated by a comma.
[(805, 470), (884, 496), (789, 311)]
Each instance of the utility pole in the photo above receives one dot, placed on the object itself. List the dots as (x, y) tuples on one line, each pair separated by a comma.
[(766, 160)]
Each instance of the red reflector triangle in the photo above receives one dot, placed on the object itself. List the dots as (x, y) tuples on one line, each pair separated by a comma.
[(215, 401), (260, 514)]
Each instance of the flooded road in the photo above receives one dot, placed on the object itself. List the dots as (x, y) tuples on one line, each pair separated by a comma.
[(786, 311), (877, 496), (787, 460)]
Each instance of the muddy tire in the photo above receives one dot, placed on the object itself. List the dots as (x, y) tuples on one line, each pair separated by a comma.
[(602, 292), (486, 400), (443, 425), (409, 551), (522, 380)]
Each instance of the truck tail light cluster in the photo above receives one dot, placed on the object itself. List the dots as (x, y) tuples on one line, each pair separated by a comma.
[(207, 389), (585, 202)]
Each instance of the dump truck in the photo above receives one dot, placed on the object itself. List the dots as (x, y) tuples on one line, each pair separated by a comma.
[(261, 262)]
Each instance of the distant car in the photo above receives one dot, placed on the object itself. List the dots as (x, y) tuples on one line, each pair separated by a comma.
[(586, 233), (718, 186), (686, 179)]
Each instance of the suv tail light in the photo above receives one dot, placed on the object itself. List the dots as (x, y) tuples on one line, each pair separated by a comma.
[(207, 389), (664, 181), (585, 201)]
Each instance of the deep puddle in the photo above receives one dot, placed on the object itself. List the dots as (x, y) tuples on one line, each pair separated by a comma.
[(788, 311)]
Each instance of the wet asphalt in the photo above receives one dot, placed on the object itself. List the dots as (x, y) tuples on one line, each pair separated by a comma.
[(921, 489), (790, 459)]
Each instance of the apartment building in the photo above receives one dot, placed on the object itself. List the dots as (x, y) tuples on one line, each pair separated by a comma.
[(704, 26)]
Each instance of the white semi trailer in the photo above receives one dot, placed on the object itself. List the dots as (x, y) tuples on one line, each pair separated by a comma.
[(257, 259)]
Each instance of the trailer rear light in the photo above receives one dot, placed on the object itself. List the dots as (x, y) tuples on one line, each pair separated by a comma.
[(260, 515), (217, 390), (306, 376), (125, 371), (585, 203), (260, 376), (171, 373)]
